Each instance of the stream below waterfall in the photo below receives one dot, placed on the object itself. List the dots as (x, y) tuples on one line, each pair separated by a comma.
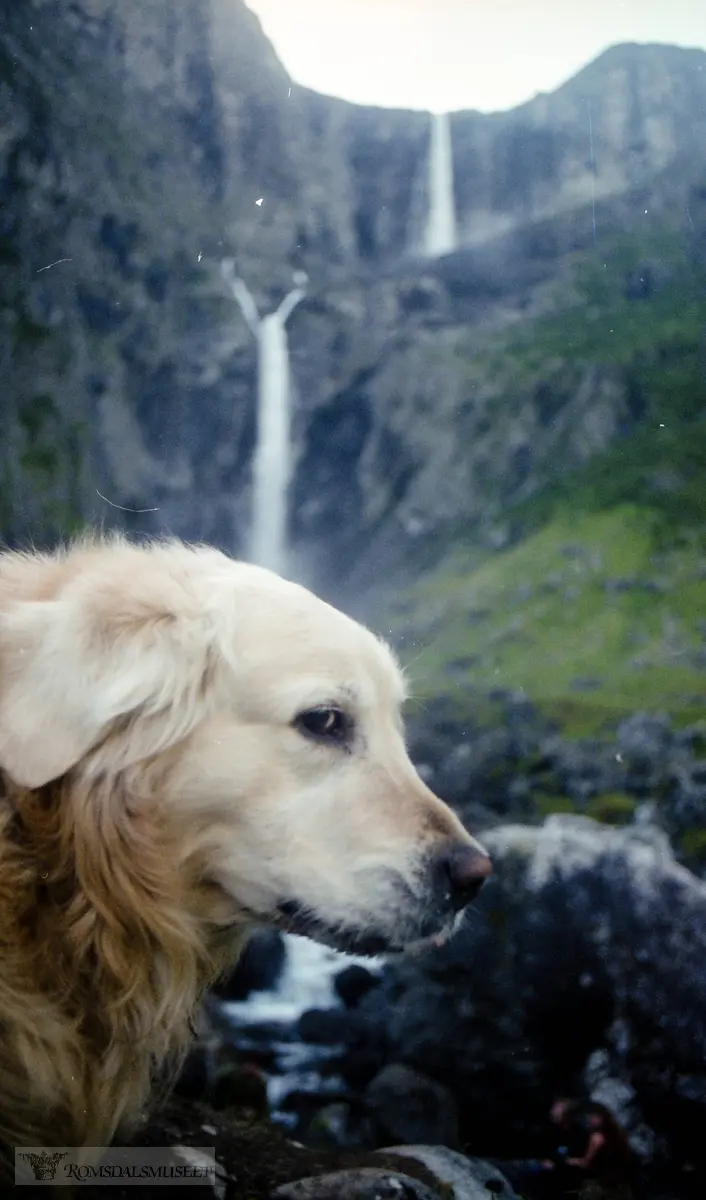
[(267, 1020)]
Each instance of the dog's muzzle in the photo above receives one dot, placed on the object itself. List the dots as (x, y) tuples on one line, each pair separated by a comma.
[(450, 880)]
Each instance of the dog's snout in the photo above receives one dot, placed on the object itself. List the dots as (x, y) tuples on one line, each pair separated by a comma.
[(466, 869)]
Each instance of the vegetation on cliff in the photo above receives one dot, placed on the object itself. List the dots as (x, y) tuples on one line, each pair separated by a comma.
[(594, 604)]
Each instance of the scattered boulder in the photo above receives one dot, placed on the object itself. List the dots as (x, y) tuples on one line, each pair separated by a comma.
[(455, 1175), (324, 1026), (341, 1125), (353, 983), (405, 1105), (586, 938), (364, 1183), (240, 1087), (467, 1178), (520, 768), (259, 968)]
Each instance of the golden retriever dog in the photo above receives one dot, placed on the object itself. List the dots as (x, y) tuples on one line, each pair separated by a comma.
[(190, 747)]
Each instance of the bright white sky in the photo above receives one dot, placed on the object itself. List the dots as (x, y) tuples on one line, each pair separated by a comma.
[(453, 54)]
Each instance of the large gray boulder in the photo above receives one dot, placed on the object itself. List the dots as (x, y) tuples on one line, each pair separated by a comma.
[(456, 1176), (467, 1178), (587, 939), (358, 1183)]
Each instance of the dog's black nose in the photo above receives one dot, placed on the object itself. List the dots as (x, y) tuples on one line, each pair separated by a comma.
[(466, 869)]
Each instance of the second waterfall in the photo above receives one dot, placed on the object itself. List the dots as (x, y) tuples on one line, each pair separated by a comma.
[(272, 463)]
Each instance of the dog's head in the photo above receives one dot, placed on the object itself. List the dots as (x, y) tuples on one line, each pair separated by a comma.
[(267, 722)]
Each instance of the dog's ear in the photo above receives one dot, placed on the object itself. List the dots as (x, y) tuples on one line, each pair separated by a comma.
[(70, 669)]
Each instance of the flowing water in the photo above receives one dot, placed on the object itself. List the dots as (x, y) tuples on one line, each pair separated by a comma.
[(272, 460), (441, 225), (306, 982)]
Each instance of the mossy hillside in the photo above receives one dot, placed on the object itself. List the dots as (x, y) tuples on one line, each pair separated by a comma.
[(595, 610), (694, 845), (587, 617), (612, 808)]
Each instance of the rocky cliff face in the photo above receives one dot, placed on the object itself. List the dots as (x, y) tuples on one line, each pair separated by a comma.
[(141, 144)]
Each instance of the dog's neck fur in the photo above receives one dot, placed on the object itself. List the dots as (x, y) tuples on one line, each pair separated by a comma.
[(109, 939)]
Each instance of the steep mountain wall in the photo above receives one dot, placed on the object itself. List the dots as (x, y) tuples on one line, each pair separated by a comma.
[(142, 142)]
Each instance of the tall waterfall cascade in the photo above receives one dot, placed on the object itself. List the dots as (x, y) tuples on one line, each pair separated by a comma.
[(441, 222), (272, 461)]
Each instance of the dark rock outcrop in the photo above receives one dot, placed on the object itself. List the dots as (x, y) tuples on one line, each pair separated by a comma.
[(587, 938), (352, 983), (406, 1106), (255, 1160), (259, 967)]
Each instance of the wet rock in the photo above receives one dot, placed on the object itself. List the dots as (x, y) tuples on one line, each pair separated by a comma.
[(586, 938), (405, 1105), (259, 967), (367, 1052), (353, 983), (363, 1184), (341, 1125), (324, 1026), (468, 1178), (307, 1109), (240, 1087), (196, 1076)]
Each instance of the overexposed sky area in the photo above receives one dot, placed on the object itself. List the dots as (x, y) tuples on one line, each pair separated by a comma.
[(453, 54)]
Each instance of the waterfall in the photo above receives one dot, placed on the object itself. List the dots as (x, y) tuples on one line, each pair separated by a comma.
[(272, 461), (272, 458), (441, 226)]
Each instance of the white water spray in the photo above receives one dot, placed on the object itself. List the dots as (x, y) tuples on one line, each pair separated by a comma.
[(272, 458), (441, 225)]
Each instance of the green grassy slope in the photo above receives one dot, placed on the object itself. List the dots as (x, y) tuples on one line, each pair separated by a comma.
[(599, 606), (587, 615)]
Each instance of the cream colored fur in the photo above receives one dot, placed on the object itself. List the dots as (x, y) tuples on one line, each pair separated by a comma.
[(157, 801)]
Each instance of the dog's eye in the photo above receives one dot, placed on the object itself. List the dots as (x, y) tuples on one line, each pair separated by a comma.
[(326, 724)]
